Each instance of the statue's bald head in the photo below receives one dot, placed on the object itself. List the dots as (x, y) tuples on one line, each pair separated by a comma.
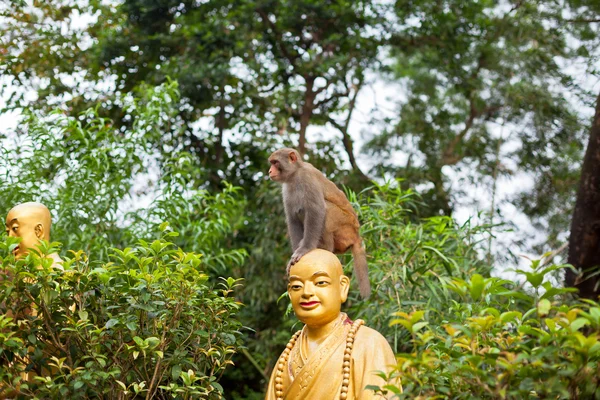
[(31, 222), (323, 258)]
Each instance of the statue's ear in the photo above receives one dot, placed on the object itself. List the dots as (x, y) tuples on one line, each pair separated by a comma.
[(39, 231), (345, 287)]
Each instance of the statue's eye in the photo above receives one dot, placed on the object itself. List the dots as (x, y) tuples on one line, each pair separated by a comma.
[(322, 283), (296, 287)]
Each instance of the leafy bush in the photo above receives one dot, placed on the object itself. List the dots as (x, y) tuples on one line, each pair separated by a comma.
[(148, 324), (497, 341), (409, 258)]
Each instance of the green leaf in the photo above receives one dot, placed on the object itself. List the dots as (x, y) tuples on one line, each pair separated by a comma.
[(579, 323), (405, 323), (417, 316), (416, 327), (83, 315), (476, 286), (509, 316), (217, 386), (535, 279), (111, 322), (543, 307), (152, 342), (176, 372), (139, 341), (32, 339)]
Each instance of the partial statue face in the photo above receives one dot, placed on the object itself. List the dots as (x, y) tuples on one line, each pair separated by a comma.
[(30, 222), (317, 287)]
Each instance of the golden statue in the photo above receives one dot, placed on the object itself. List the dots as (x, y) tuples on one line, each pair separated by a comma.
[(331, 357), (31, 222)]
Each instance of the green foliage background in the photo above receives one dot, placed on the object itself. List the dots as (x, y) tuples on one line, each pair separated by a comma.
[(165, 111)]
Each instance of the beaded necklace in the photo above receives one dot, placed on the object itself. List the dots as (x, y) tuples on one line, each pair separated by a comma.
[(283, 359)]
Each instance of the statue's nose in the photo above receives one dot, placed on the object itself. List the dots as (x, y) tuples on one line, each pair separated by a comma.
[(308, 290)]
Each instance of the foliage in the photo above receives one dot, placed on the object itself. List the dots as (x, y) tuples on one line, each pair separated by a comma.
[(84, 167), (498, 341), (485, 100), (89, 172), (488, 85), (410, 258), (93, 175), (250, 68), (148, 324)]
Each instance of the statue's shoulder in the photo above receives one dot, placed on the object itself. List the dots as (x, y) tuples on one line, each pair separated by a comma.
[(371, 351), (369, 335)]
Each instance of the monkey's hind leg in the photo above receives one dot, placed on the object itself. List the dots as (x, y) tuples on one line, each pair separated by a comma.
[(327, 241)]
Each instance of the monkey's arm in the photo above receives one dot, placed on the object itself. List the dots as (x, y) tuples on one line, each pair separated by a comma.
[(315, 212), (295, 230), (314, 223)]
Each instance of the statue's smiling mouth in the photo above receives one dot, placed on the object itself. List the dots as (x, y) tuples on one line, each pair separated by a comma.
[(309, 304)]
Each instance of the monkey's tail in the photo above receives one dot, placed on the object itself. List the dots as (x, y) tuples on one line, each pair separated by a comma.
[(361, 269)]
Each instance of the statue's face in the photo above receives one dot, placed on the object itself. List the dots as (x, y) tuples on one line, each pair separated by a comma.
[(21, 224), (317, 289)]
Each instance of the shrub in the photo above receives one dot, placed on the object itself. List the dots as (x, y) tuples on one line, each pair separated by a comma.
[(146, 325), (499, 342), (410, 258)]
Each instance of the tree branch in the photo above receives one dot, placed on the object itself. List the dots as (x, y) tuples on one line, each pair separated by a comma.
[(332, 97), (583, 20), (346, 139), (449, 157), (517, 5), (278, 43)]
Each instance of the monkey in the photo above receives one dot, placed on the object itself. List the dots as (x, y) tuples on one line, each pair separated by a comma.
[(318, 214)]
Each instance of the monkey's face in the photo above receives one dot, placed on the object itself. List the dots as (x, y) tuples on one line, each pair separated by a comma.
[(284, 162), (275, 172)]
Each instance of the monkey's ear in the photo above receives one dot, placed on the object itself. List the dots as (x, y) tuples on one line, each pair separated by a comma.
[(293, 157)]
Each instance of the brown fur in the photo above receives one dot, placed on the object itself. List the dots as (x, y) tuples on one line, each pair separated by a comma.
[(318, 214)]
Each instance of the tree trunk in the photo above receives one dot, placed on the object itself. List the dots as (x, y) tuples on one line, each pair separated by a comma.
[(584, 243), (307, 110), (221, 124), (349, 147), (346, 139)]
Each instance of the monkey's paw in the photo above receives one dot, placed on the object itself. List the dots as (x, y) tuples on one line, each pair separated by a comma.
[(298, 254)]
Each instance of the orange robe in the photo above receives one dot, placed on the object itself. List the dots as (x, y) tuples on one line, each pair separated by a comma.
[(319, 377)]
